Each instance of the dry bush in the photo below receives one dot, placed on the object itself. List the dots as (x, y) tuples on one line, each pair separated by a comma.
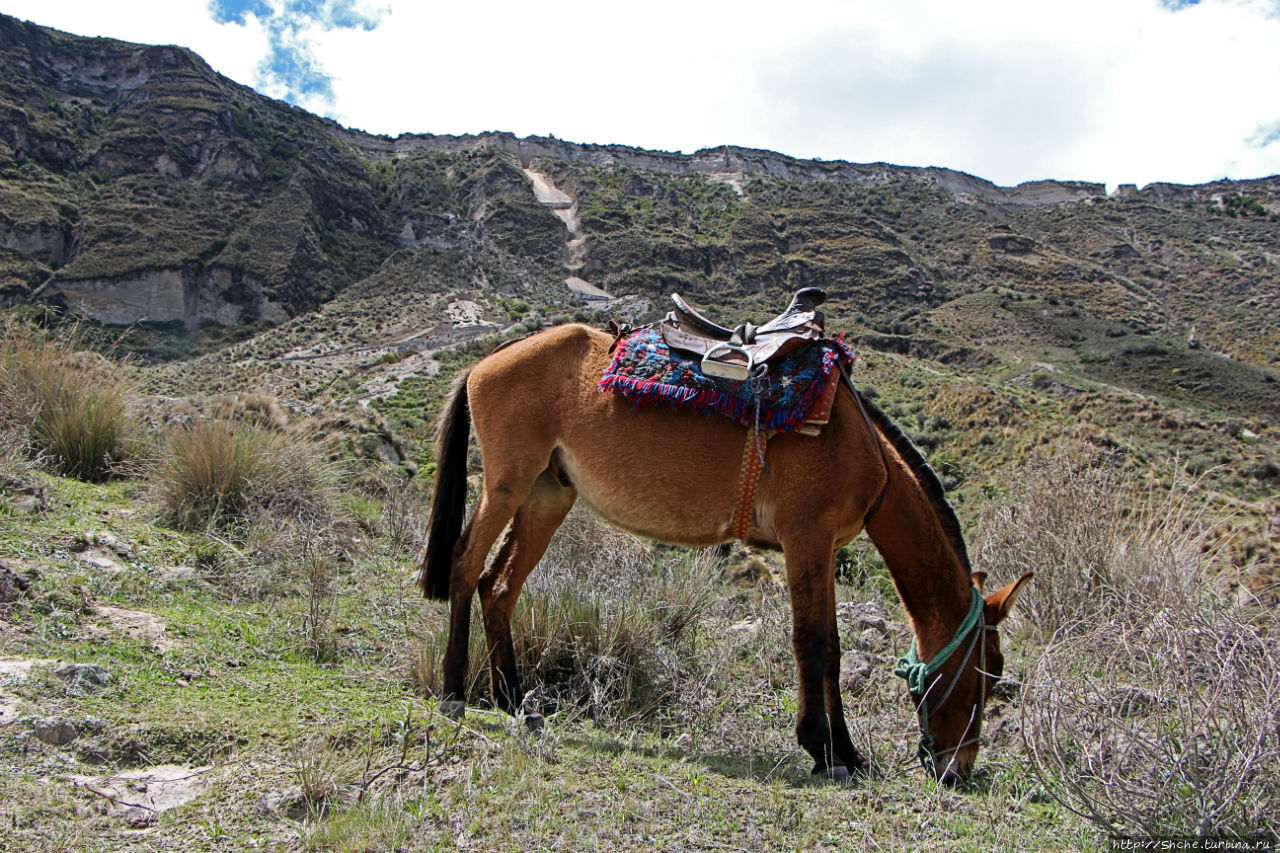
[(402, 506), (605, 624), (1163, 721), (1155, 708), (71, 406), (320, 577), (215, 475), (1095, 542)]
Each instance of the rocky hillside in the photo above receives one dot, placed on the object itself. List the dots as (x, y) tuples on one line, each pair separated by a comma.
[(139, 187)]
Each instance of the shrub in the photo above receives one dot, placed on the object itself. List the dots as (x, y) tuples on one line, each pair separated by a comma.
[(70, 406), (1155, 707), (605, 624), (1162, 720), (214, 474)]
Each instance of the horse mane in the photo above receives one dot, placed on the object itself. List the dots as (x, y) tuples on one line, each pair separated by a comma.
[(925, 476)]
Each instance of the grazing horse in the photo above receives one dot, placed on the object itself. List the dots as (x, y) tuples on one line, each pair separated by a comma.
[(548, 436)]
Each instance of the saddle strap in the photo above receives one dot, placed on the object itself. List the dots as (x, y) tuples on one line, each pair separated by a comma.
[(749, 481)]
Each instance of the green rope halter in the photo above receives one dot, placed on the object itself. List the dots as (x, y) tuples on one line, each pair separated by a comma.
[(917, 672)]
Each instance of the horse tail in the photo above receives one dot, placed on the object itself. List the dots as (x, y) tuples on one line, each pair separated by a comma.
[(449, 496)]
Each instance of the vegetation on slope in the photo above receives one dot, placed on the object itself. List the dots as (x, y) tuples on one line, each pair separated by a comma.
[(148, 666)]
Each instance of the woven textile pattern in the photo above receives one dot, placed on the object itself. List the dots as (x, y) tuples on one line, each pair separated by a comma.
[(648, 372)]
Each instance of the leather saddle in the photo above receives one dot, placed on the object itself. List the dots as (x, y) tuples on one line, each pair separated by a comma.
[(736, 353)]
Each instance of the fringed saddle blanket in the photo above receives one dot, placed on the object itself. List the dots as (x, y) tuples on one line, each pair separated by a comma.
[(648, 372)]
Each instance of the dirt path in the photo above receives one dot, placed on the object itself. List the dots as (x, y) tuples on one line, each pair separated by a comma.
[(563, 205)]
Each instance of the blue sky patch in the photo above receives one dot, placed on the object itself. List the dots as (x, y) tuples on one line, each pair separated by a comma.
[(1176, 5), (291, 64), (1267, 134), (237, 11)]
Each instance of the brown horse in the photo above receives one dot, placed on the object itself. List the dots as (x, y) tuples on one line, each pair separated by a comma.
[(547, 436)]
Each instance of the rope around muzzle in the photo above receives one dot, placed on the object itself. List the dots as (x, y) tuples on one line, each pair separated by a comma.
[(917, 673)]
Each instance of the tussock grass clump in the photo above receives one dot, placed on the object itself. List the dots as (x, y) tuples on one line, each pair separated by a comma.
[(605, 625), (215, 474), (70, 408)]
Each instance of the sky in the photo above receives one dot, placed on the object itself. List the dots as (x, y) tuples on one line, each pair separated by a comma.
[(1110, 91)]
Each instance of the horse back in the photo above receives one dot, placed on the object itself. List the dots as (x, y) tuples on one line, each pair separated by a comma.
[(664, 474)]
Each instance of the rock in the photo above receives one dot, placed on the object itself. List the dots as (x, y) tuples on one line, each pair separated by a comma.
[(55, 732), (86, 677), (102, 561), (855, 670), (870, 640), (10, 710), (138, 624), (107, 539), (140, 796), (17, 669), (1013, 244), (175, 574), (24, 498), (863, 616), (12, 585), (138, 817)]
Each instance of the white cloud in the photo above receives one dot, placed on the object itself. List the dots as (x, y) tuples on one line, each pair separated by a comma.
[(1105, 90)]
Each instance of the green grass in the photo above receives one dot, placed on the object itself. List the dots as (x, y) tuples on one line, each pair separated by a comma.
[(240, 697)]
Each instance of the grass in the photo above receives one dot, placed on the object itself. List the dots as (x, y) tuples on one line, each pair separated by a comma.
[(345, 753), (342, 751), (669, 686), (72, 406), (216, 474)]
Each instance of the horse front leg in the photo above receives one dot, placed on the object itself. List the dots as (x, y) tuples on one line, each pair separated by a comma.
[(842, 744), (810, 578)]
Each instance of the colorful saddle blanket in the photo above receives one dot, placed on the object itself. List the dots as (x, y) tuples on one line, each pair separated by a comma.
[(648, 372)]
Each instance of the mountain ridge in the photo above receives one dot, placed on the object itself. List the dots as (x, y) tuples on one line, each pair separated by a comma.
[(245, 243)]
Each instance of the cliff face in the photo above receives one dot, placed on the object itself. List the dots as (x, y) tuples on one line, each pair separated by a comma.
[(139, 187), (137, 184)]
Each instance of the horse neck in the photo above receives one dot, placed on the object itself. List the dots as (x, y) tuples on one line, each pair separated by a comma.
[(931, 576)]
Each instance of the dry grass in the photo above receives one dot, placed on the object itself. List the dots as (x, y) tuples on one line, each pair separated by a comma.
[(215, 474), (69, 407), (605, 625), (1096, 542)]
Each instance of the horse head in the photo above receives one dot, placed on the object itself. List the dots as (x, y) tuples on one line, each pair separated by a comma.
[(949, 692)]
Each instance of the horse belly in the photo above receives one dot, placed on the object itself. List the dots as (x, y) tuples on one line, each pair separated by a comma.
[(660, 475)]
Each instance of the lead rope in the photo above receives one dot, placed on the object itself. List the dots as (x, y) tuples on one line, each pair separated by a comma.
[(916, 672)]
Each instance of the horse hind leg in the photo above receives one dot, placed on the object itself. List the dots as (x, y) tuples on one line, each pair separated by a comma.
[(535, 522), (502, 495)]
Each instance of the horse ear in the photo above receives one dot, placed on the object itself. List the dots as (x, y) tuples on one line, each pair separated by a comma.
[(999, 603), (978, 579)]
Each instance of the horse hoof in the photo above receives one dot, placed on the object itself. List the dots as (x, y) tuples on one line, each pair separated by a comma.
[(453, 709), (837, 773)]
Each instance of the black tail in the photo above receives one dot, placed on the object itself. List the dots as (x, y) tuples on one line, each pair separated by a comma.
[(449, 497)]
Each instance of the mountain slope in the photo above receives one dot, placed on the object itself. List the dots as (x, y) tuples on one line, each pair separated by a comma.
[(137, 186)]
